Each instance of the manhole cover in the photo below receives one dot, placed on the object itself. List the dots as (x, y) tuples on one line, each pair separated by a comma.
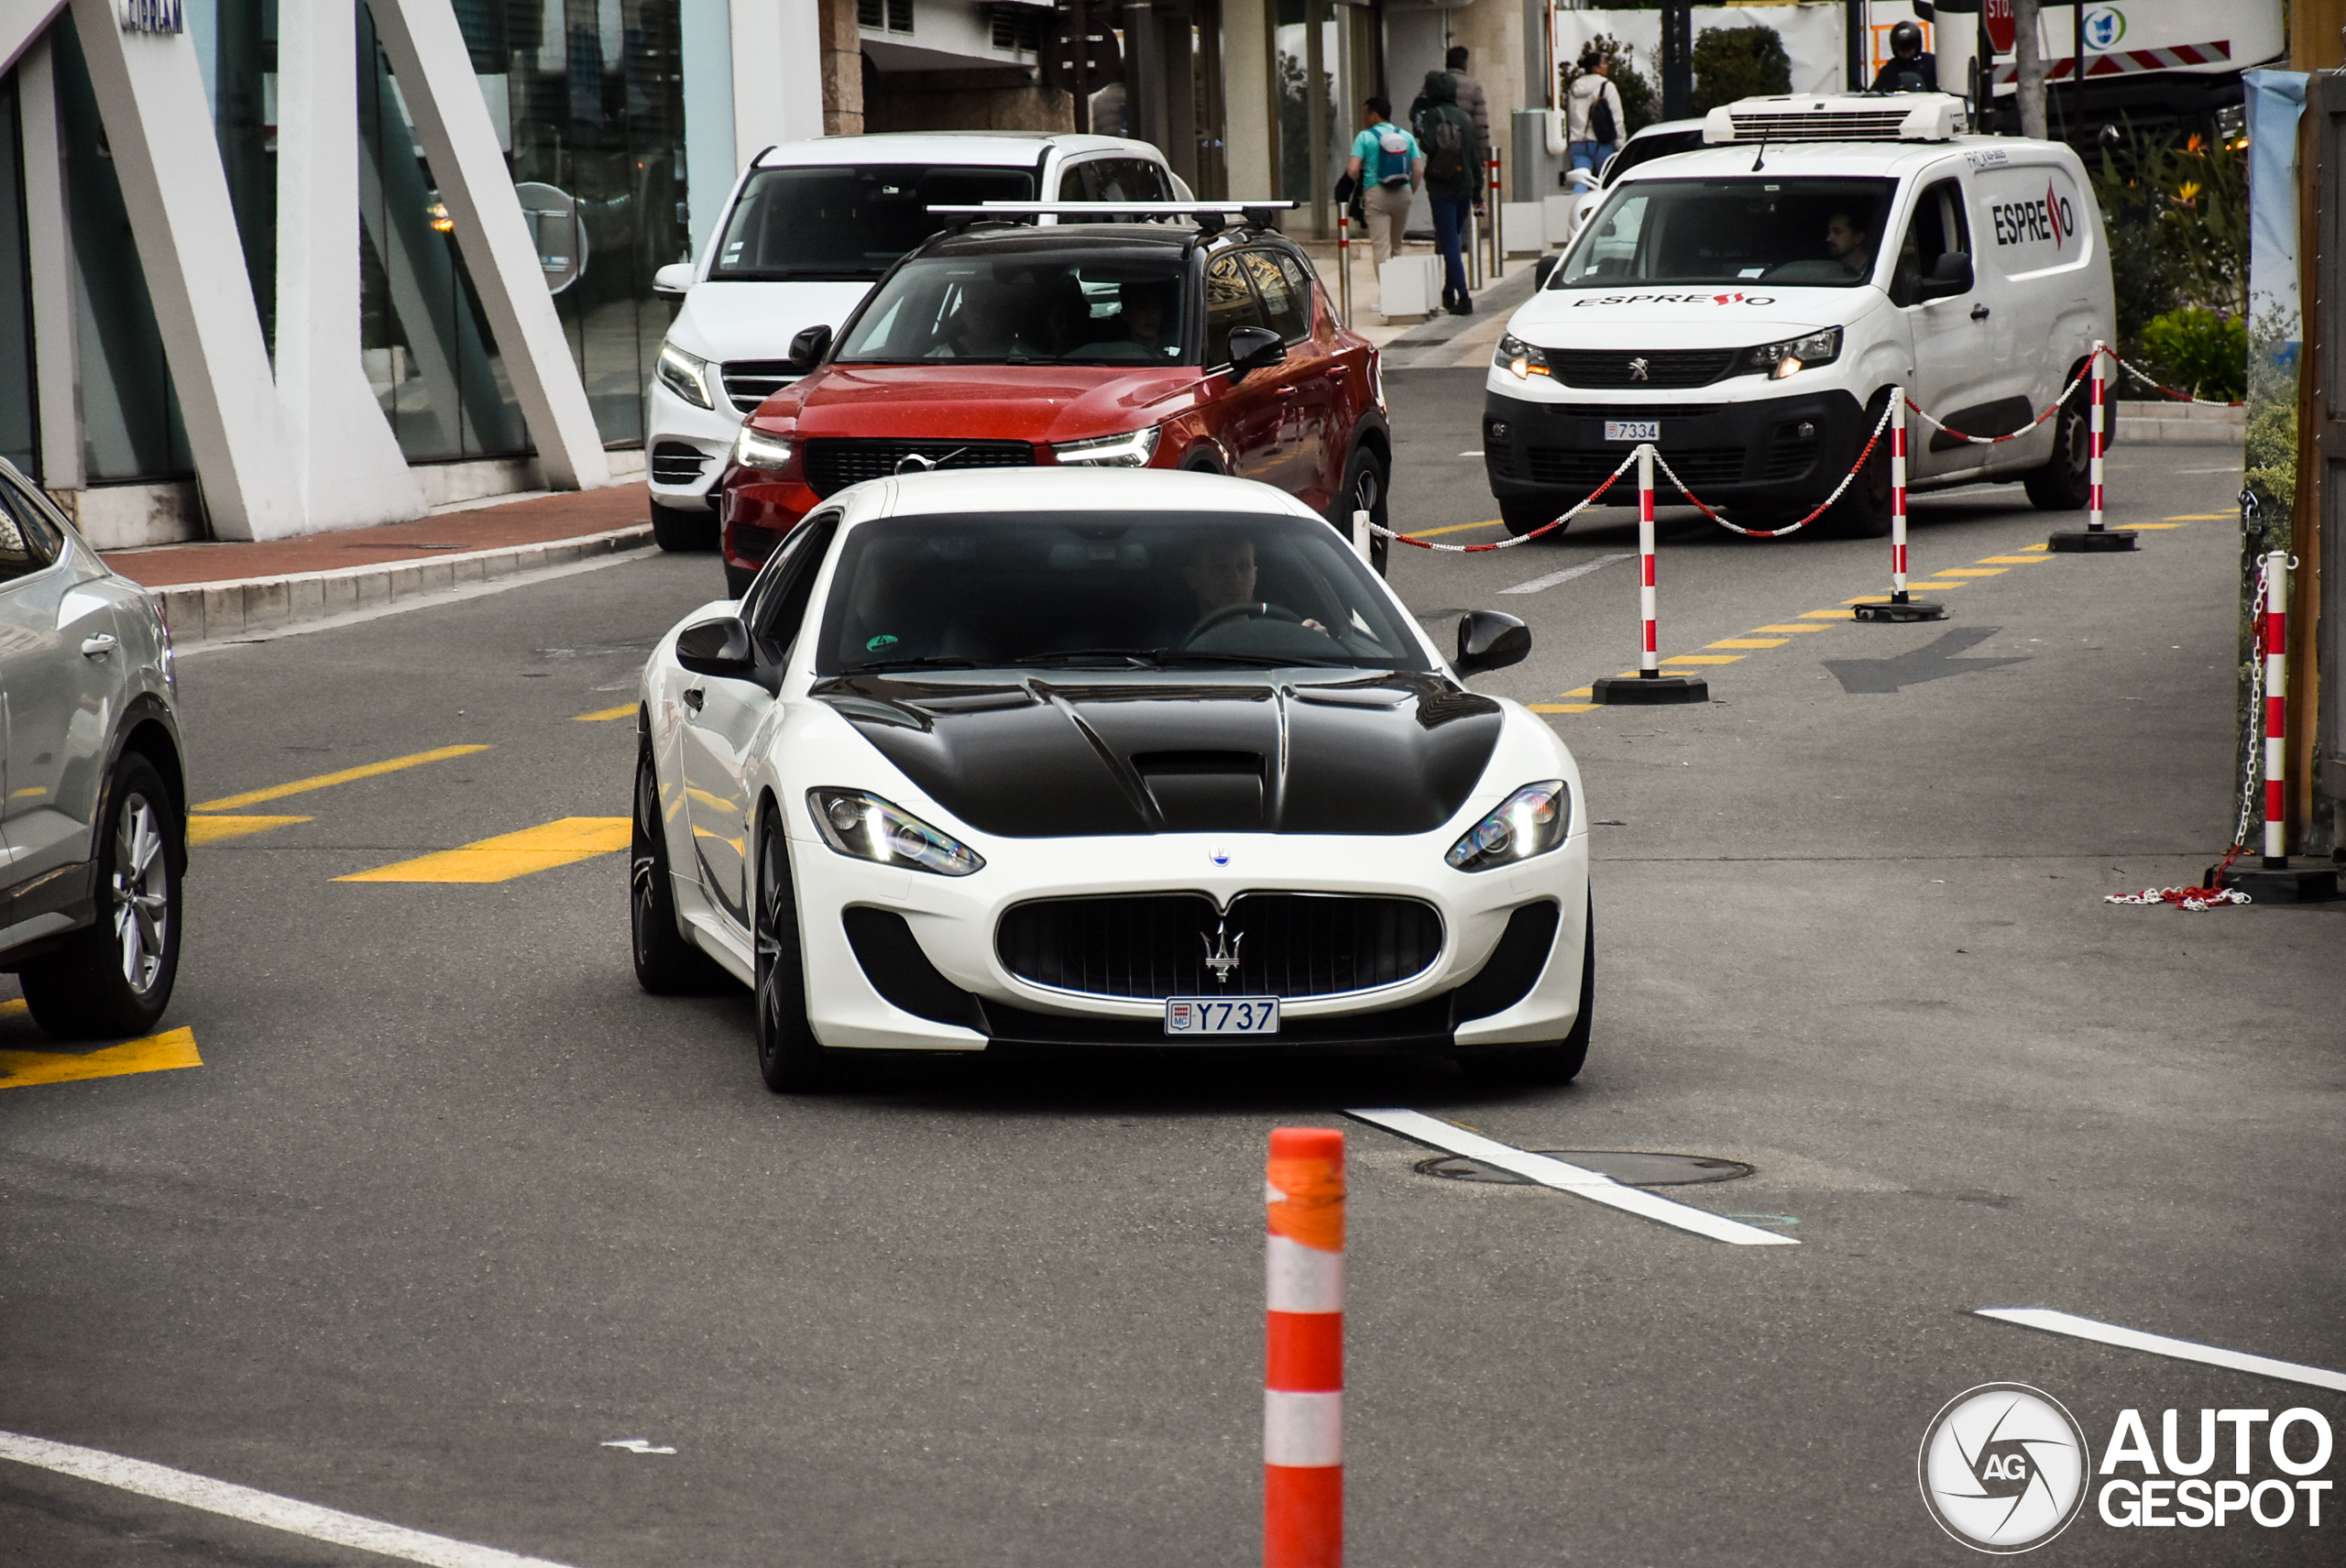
[(1628, 1167)]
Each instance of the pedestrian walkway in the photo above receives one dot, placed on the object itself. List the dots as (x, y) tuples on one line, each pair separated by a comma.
[(231, 588)]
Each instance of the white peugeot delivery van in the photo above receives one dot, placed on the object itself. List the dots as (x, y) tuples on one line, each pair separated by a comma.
[(809, 227), (1747, 308)]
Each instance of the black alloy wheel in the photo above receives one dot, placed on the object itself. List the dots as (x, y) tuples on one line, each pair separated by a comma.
[(2065, 481), (1863, 511), (683, 532), (1365, 490), (666, 964), (1551, 1061), (113, 976), (790, 1059), (1523, 514)]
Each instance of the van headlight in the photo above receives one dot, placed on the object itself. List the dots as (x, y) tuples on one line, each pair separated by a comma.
[(686, 375), (1131, 450), (1790, 358), (1531, 821), (1520, 359), (755, 448), (866, 828)]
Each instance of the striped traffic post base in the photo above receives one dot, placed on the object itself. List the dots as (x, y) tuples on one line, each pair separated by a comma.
[(2276, 882), (1303, 1373), (1900, 606), (1345, 265), (1647, 683), (2097, 539)]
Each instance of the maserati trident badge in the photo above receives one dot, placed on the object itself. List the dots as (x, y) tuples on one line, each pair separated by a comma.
[(1222, 953)]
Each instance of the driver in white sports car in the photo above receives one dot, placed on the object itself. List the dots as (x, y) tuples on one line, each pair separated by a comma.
[(1102, 759)]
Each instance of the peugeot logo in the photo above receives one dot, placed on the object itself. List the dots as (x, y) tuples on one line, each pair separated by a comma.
[(1222, 953), (1638, 369)]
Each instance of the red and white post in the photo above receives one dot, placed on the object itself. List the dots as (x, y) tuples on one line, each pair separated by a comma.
[(1901, 607), (1344, 264), (2276, 710), (2093, 449), (2097, 537), (1648, 685), (1303, 1373)]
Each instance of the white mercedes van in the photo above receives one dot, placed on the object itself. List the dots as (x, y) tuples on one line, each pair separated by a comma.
[(1748, 306), (809, 227)]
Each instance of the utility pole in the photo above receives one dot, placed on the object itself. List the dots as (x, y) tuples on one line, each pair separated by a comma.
[(2030, 68), (1854, 71)]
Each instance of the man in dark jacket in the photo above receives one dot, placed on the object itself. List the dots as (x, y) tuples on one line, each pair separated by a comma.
[(1454, 183)]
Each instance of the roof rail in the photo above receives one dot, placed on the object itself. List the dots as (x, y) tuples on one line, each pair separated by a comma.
[(1837, 116), (1210, 215)]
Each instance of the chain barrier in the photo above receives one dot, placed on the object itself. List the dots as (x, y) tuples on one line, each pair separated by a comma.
[(2174, 393), (2197, 899), (1847, 479), (1578, 507), (2050, 410)]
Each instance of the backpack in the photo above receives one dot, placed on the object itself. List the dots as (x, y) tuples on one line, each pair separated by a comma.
[(1392, 158), (1446, 147), (1601, 128)]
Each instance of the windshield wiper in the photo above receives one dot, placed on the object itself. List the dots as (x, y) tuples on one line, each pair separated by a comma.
[(886, 667), (1141, 656), (1250, 661)]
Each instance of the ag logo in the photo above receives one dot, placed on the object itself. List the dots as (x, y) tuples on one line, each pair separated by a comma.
[(2003, 1468)]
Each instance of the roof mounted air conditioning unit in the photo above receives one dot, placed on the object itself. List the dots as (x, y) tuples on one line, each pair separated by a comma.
[(1852, 117)]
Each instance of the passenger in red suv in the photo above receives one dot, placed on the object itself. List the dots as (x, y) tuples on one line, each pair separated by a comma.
[(1130, 345)]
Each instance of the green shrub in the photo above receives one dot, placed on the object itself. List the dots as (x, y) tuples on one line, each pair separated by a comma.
[(2271, 458), (2199, 352), (1738, 63)]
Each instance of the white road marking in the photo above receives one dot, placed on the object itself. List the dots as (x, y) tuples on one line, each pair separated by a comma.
[(2228, 468), (1595, 1185), (1477, 453), (2054, 1322), (637, 1445), (1567, 575), (265, 1508)]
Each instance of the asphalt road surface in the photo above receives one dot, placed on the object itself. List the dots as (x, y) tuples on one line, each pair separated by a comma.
[(449, 1206)]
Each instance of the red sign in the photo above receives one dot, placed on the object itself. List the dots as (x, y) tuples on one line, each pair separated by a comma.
[(1999, 13)]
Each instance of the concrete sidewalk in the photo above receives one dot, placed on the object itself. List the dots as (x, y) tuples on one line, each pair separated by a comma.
[(214, 590)]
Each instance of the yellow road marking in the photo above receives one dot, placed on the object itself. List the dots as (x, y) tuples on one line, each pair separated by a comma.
[(213, 829), (1701, 658), (15, 1004), (31, 792), (1869, 598), (278, 792), (509, 855), (1792, 626), (2165, 524), (1454, 528), (157, 1053), (1971, 571), (1580, 691), (1565, 706), (2039, 549), (1837, 614), (2199, 517), (2013, 560), (623, 710), (1938, 582), (1750, 642)]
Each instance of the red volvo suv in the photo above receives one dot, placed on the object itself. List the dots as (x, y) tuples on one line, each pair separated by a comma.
[(1121, 345)]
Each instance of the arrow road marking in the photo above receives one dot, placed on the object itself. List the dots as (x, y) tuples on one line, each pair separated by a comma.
[(1932, 662), (1578, 1180)]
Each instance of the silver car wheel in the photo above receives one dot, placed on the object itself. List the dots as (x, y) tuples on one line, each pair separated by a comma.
[(142, 900)]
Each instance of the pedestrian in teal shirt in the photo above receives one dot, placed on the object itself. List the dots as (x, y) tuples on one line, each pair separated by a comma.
[(1387, 164)]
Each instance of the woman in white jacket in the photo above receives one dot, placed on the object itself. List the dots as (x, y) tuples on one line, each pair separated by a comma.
[(1593, 120)]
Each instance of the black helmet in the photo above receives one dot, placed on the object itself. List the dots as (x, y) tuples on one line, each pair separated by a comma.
[(1905, 37)]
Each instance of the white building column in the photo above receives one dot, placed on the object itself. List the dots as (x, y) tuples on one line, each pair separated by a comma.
[(435, 76), (777, 73), (159, 126), (345, 459), (1248, 109)]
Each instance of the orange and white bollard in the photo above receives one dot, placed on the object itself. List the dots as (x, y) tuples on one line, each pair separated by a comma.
[(1303, 1373), (1900, 606), (1647, 684)]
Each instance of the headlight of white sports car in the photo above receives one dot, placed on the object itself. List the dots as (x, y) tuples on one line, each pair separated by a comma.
[(756, 449), (866, 828), (1131, 450), (1532, 821)]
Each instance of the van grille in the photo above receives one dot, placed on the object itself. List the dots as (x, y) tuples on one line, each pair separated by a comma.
[(1622, 366)]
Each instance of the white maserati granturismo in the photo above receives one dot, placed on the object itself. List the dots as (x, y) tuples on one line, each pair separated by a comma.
[(1102, 759)]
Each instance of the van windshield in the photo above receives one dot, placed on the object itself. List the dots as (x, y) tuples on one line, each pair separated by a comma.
[(847, 221), (1122, 306), (1807, 233)]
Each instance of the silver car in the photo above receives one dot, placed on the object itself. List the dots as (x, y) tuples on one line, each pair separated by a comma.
[(93, 798)]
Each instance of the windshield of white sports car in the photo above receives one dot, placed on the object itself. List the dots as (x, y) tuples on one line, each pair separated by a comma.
[(1106, 590), (1821, 234)]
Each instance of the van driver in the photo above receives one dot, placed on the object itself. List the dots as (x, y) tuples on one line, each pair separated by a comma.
[(1849, 244)]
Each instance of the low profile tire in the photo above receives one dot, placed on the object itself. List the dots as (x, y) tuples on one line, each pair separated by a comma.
[(1552, 1061), (738, 579), (113, 976), (2066, 483), (1524, 513), (1364, 490), (681, 532), (789, 1057), (1863, 511), (666, 964)]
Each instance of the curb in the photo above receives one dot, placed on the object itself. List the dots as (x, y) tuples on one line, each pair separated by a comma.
[(2180, 431), (206, 613)]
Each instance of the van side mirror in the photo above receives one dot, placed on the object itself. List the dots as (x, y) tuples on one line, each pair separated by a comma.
[(1950, 275), (719, 647), (809, 346), (1543, 268), (1490, 640), (1253, 348), (672, 279)]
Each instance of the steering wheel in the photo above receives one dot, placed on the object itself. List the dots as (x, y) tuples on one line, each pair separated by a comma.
[(1214, 617)]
